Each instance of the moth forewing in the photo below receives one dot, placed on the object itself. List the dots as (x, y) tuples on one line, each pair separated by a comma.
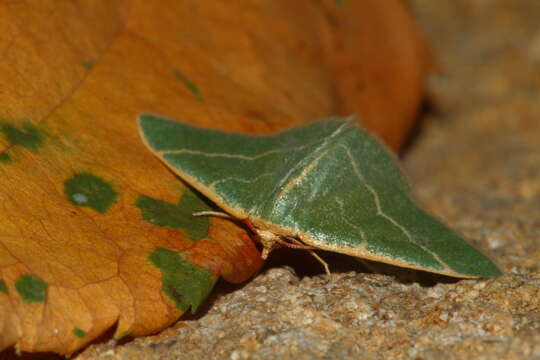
[(328, 184)]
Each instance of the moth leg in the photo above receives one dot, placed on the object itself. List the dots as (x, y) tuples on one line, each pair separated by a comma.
[(293, 243), (323, 263), (270, 241), (368, 266), (299, 245)]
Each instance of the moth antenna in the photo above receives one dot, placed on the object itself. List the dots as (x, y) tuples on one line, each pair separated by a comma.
[(213, 213)]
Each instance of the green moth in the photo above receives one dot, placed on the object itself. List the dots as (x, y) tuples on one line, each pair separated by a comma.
[(327, 185)]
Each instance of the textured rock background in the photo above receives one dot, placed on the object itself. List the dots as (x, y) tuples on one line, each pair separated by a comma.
[(476, 164)]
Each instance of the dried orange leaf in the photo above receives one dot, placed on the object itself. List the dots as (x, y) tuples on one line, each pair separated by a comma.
[(94, 231)]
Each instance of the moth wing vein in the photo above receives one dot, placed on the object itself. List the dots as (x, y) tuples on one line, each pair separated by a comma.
[(301, 177), (342, 208), (232, 156), (247, 181), (380, 212)]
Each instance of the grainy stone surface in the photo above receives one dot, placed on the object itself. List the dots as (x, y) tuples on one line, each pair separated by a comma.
[(475, 164)]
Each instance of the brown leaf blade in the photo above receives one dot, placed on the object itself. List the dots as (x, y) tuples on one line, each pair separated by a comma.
[(93, 229)]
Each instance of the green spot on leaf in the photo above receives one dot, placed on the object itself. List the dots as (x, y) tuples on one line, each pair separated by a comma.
[(31, 288), (79, 333), (88, 64), (84, 189), (184, 283), (4, 158), (177, 216), (190, 85), (3, 287), (341, 3), (28, 136)]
